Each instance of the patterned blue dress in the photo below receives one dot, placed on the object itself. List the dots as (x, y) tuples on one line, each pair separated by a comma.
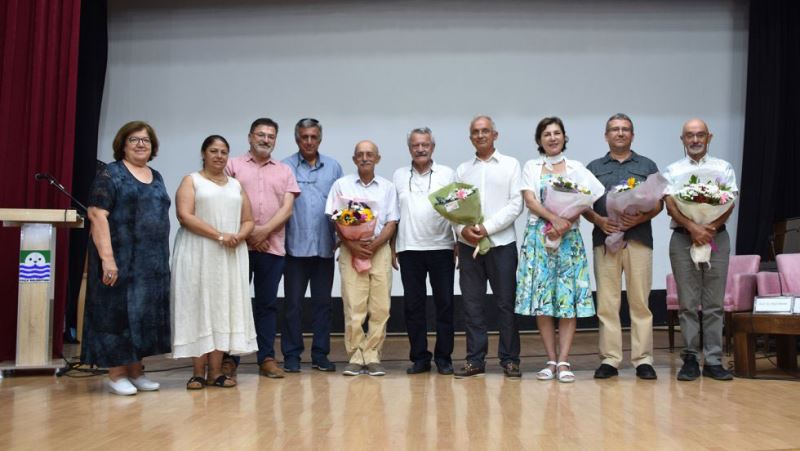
[(131, 320), (553, 282)]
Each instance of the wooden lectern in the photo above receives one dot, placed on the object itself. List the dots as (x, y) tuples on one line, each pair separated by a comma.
[(37, 277)]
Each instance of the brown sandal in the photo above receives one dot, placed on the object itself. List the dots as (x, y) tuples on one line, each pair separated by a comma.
[(196, 383)]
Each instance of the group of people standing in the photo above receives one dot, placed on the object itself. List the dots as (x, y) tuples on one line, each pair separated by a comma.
[(254, 218)]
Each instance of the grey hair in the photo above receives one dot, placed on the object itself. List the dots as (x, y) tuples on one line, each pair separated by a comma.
[(621, 117), (483, 116), (420, 131), (307, 122)]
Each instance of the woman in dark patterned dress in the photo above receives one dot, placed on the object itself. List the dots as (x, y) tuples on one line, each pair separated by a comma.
[(127, 303)]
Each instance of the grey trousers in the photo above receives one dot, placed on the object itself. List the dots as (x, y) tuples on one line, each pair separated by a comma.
[(701, 287)]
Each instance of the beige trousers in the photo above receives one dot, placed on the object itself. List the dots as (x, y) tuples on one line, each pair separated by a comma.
[(636, 261), (366, 293)]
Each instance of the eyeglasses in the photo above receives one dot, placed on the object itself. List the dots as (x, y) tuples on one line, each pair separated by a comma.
[(135, 141), (698, 135)]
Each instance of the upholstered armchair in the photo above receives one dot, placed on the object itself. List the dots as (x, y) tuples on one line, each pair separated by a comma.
[(740, 289)]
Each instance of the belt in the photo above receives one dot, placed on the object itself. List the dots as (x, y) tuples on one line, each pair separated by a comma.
[(683, 231)]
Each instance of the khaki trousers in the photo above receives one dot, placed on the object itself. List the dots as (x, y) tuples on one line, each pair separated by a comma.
[(366, 293), (636, 261)]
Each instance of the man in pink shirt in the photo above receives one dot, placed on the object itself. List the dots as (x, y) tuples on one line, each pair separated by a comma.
[(271, 187)]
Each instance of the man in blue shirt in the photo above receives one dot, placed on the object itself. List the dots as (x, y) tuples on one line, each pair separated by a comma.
[(310, 242)]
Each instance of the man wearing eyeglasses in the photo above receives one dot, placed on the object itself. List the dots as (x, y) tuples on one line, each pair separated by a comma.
[(699, 285), (310, 244), (424, 247), (635, 259), (272, 188)]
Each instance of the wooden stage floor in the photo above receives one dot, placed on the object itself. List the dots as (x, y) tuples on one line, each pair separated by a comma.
[(314, 410)]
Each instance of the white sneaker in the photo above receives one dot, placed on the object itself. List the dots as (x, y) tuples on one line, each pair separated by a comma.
[(121, 387), (145, 384)]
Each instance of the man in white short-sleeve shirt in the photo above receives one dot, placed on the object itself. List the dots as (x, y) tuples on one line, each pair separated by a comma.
[(424, 248)]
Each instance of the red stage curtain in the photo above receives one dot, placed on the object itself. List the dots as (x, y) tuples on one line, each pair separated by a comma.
[(38, 84)]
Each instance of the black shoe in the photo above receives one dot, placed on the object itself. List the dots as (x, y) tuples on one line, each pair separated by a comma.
[(469, 370), (324, 364), (717, 372), (605, 371), (445, 368), (511, 370), (291, 365), (422, 366), (646, 371), (690, 369)]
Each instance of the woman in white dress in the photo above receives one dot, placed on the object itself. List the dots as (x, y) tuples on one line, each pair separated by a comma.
[(210, 294)]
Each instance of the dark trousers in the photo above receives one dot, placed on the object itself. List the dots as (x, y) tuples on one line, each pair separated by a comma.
[(415, 267), (297, 274), (265, 273), (499, 268)]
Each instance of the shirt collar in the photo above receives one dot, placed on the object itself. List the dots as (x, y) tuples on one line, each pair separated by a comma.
[(430, 170), (495, 156), (317, 164), (697, 163), (365, 185), (633, 157), (250, 157)]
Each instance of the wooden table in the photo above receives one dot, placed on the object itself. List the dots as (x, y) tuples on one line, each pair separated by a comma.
[(745, 328)]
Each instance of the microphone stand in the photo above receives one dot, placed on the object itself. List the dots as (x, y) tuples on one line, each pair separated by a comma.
[(53, 182)]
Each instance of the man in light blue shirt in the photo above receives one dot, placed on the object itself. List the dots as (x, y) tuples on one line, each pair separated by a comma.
[(310, 242)]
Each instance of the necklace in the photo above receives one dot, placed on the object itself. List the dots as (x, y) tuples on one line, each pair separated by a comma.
[(419, 188), (222, 181)]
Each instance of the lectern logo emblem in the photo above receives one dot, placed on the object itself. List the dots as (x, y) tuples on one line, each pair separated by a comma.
[(34, 266)]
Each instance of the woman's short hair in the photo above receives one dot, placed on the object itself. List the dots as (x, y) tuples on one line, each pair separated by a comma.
[(127, 130), (543, 125)]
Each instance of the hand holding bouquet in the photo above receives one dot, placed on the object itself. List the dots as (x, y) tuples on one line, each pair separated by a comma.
[(567, 199), (356, 222), (632, 197), (461, 204), (703, 203)]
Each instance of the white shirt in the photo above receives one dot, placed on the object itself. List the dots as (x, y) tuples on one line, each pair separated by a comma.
[(420, 227), (575, 171), (498, 182), (708, 168), (379, 194)]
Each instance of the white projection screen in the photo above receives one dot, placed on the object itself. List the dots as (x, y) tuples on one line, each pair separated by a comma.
[(376, 69)]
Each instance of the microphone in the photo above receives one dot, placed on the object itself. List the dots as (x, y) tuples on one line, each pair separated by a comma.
[(53, 182), (41, 176)]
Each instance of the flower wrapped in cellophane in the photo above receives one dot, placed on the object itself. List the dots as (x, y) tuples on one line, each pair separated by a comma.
[(355, 221), (567, 199), (460, 203), (631, 197), (703, 203)]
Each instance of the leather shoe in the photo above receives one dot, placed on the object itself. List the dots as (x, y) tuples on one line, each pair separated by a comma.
[(717, 372), (270, 369), (469, 370), (646, 371), (511, 370), (605, 371), (690, 369), (418, 367), (444, 368)]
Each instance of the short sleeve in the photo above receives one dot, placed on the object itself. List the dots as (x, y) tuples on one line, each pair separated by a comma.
[(291, 181), (332, 195), (103, 193), (391, 199), (527, 183)]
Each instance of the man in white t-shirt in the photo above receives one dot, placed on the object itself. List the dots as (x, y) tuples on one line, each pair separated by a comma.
[(424, 247)]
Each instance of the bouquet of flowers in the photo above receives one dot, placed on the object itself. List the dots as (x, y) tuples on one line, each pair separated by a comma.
[(631, 197), (355, 221), (703, 203), (566, 199), (460, 203)]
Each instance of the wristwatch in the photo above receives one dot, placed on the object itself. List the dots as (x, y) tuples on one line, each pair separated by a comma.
[(220, 238)]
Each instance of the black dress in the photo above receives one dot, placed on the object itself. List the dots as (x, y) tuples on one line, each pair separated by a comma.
[(129, 321)]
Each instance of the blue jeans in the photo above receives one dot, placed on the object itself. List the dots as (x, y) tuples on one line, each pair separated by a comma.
[(297, 274), (265, 273), (415, 267)]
